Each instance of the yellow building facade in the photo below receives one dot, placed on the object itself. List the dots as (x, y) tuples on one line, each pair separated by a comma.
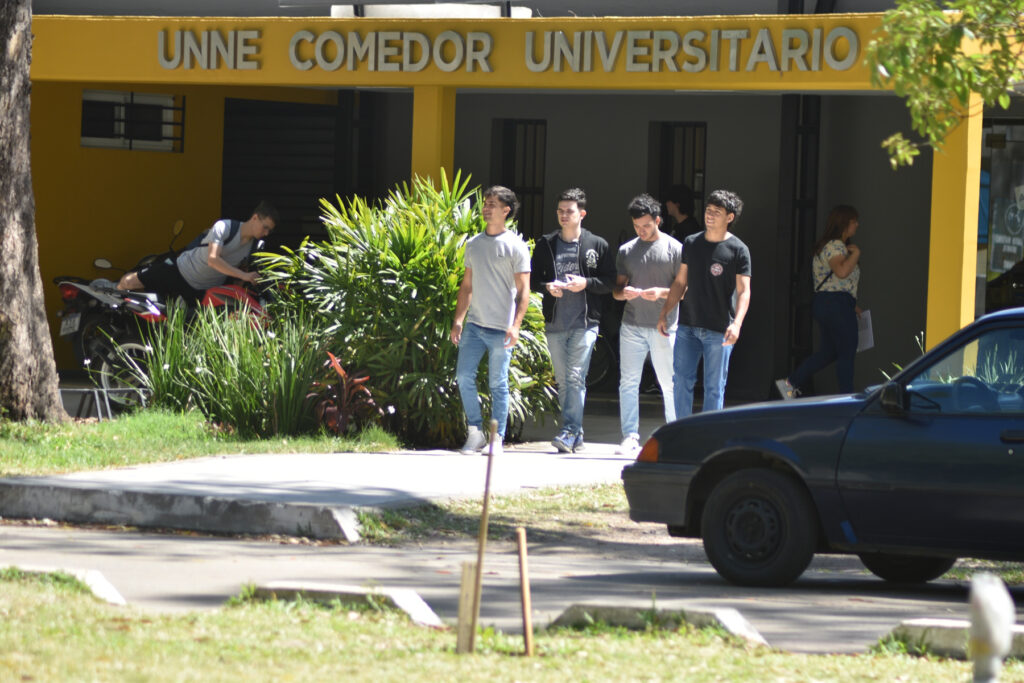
[(103, 200)]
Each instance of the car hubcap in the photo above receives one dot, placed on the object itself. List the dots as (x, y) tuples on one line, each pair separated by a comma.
[(752, 529)]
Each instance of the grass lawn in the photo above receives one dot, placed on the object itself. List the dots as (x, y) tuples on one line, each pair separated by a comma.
[(145, 437), (52, 630)]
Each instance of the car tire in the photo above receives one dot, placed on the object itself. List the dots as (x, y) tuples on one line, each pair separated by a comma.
[(760, 528), (906, 568)]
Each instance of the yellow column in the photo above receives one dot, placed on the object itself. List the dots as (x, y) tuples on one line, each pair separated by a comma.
[(433, 130), (952, 254)]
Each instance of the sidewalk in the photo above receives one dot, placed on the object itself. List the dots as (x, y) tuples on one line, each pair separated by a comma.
[(313, 495)]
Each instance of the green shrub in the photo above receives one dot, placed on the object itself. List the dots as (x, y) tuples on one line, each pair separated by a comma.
[(252, 374), (384, 283)]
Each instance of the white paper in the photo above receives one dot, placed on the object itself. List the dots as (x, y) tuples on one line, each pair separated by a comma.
[(865, 333)]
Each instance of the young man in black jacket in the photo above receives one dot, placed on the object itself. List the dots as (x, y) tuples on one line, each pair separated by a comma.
[(575, 269)]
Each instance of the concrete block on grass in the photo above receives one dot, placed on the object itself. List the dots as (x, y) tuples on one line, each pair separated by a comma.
[(946, 637), (404, 599), (93, 580), (639, 618)]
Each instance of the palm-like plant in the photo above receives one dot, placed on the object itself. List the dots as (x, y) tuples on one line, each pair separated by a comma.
[(384, 282)]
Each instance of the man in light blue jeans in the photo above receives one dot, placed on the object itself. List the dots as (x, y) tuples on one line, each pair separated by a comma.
[(713, 282), (492, 301), (575, 270), (646, 266)]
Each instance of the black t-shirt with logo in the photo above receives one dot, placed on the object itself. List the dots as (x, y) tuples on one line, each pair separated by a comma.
[(711, 270), (571, 307)]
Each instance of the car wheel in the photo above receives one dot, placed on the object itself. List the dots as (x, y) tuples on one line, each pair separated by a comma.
[(760, 528), (906, 568)]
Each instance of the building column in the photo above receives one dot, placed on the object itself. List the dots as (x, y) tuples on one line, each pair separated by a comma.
[(953, 248), (433, 131)]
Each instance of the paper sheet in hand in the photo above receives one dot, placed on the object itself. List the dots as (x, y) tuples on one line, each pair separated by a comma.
[(865, 333)]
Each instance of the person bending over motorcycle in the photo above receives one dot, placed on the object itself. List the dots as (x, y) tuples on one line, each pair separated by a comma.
[(207, 262)]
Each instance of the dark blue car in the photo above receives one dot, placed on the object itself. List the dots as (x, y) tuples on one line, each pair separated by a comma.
[(909, 476)]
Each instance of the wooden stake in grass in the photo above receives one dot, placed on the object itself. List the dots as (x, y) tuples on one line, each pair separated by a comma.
[(466, 625), (482, 543), (524, 590)]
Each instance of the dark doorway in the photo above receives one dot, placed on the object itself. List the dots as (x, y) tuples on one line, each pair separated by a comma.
[(676, 157), (518, 159), (290, 154)]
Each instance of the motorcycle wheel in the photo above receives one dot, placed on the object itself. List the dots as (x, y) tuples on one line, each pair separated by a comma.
[(93, 342), (122, 372)]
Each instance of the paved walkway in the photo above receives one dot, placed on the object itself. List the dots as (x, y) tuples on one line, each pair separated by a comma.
[(316, 495)]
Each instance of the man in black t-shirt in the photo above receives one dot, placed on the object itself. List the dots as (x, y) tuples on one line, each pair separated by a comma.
[(715, 269)]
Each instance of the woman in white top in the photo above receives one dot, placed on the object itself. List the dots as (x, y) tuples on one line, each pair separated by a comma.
[(836, 272)]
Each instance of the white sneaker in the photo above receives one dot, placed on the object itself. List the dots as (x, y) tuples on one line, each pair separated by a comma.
[(787, 390), (497, 448), (474, 441), (629, 446)]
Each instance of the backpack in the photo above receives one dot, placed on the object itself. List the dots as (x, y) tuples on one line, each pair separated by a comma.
[(233, 227)]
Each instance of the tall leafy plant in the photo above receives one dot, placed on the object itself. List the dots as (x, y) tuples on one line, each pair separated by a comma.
[(384, 284), (253, 375)]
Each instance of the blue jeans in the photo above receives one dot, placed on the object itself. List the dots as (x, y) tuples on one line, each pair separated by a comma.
[(836, 314), (634, 344), (570, 357), (691, 344), (475, 342)]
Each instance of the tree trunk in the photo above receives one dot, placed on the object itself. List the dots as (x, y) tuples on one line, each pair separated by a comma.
[(28, 374)]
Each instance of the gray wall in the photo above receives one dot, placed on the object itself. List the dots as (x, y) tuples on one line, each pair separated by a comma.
[(599, 142), (895, 210)]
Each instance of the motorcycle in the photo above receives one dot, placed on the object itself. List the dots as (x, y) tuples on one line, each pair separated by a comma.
[(97, 319), (107, 326)]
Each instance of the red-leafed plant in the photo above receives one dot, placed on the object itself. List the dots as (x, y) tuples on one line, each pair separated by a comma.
[(344, 400)]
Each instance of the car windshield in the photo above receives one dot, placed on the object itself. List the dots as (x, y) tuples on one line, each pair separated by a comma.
[(985, 375)]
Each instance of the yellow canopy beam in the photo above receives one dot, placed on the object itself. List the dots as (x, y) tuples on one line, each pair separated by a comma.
[(433, 131), (952, 252)]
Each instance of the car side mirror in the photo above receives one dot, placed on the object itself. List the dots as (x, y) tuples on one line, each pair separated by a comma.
[(893, 398)]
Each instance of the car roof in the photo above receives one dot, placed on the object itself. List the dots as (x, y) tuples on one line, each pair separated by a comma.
[(1006, 313)]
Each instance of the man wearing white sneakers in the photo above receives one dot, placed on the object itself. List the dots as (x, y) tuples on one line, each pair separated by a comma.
[(492, 301), (646, 268)]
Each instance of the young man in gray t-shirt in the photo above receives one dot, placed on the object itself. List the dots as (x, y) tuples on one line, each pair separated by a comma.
[(492, 301), (210, 263), (646, 267)]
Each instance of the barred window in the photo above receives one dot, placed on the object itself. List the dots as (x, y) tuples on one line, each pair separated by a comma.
[(518, 160), (129, 120)]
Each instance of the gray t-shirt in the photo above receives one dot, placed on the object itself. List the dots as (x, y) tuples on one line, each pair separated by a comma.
[(649, 264), (571, 307), (192, 263), (495, 259)]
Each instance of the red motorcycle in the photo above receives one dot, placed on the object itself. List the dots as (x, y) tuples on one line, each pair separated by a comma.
[(107, 327)]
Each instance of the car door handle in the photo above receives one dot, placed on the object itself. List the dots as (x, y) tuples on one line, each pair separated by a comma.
[(1012, 435)]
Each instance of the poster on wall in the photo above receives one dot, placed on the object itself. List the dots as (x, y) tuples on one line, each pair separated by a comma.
[(1005, 263), (1006, 239)]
